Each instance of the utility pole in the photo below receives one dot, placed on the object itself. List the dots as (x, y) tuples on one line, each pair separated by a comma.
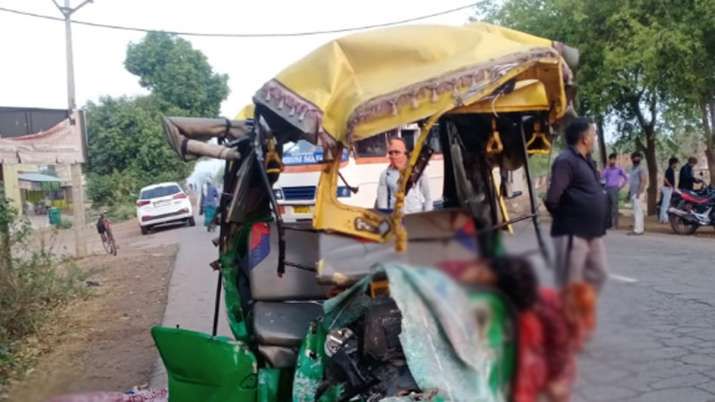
[(76, 168)]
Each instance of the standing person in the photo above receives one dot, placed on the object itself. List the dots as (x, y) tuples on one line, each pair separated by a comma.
[(577, 202), (209, 204), (637, 180), (667, 189), (418, 199), (615, 179), (686, 178)]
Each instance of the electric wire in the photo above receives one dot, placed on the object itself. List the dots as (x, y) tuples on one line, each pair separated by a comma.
[(243, 35)]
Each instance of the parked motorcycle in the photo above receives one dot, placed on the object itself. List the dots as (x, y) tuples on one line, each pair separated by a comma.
[(690, 210)]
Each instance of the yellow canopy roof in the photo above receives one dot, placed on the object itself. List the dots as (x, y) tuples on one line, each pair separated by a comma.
[(527, 96), (367, 83), (246, 113)]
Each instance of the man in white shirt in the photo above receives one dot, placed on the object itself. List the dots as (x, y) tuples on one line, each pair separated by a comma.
[(418, 199)]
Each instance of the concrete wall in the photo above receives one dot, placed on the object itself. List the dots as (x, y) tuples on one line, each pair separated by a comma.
[(12, 188), (10, 177)]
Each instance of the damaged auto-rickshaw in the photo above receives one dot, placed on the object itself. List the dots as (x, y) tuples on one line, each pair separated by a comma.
[(360, 304)]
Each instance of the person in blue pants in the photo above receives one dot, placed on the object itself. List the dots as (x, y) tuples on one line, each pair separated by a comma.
[(209, 205)]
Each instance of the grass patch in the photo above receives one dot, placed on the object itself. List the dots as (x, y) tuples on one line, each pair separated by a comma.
[(539, 165), (122, 212), (65, 224), (33, 283), (119, 212)]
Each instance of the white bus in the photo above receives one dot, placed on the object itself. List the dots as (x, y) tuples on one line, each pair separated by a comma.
[(361, 168)]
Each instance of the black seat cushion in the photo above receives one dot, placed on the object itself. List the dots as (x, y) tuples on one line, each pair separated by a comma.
[(279, 356), (283, 324)]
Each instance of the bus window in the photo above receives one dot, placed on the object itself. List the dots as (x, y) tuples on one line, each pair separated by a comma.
[(373, 146), (304, 153), (433, 140), (409, 136)]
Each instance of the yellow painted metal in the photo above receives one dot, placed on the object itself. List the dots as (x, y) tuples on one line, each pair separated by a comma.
[(370, 82), (502, 204), (379, 288), (274, 164), (332, 215), (527, 96), (494, 145), (396, 218), (538, 134), (246, 113)]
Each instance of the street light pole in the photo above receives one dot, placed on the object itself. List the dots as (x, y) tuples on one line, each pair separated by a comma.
[(75, 168)]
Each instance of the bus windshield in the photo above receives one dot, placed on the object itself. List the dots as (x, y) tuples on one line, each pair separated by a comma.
[(304, 153)]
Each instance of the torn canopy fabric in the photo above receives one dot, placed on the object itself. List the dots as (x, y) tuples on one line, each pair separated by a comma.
[(447, 351), (367, 83)]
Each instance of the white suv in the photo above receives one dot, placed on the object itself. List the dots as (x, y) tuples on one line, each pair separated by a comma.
[(163, 203)]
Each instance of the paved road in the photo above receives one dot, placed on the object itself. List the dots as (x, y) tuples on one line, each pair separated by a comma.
[(656, 334), (192, 289)]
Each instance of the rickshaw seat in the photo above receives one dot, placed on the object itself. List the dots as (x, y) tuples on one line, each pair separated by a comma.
[(262, 263), (283, 324), (279, 356)]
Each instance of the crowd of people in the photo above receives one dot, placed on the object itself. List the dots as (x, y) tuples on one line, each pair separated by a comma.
[(615, 178), (584, 202)]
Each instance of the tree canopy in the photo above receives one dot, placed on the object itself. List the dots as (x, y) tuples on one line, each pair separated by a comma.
[(641, 59), (177, 74), (127, 148)]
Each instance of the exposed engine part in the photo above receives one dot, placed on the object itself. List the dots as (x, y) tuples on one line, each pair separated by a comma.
[(383, 326), (344, 364), (367, 358), (336, 340)]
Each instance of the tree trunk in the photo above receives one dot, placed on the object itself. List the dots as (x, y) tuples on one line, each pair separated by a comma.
[(601, 140), (708, 109), (650, 157), (710, 156), (648, 127)]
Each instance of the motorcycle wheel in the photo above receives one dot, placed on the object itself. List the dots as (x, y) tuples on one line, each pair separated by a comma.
[(680, 225)]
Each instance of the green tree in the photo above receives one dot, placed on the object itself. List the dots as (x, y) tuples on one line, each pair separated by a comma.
[(634, 57), (697, 87), (127, 148), (177, 74)]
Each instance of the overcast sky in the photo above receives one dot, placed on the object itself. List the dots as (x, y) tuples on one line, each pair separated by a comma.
[(32, 51)]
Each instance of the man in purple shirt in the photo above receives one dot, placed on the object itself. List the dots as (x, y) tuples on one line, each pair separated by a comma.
[(614, 179)]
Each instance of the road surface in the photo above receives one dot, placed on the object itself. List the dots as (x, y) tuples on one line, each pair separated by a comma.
[(656, 335), (192, 288)]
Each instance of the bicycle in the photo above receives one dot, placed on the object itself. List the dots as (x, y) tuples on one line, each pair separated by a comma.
[(110, 246)]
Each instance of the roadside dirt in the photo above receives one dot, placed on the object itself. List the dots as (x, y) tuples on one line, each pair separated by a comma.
[(653, 226), (103, 342)]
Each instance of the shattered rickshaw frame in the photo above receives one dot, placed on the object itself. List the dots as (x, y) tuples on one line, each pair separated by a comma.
[(492, 114)]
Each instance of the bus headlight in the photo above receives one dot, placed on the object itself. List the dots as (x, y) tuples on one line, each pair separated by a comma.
[(278, 193)]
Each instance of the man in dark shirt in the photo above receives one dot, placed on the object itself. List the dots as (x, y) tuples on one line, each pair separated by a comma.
[(686, 179), (667, 191), (577, 202)]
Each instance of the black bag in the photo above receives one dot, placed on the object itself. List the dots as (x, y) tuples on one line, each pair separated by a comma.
[(100, 226)]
